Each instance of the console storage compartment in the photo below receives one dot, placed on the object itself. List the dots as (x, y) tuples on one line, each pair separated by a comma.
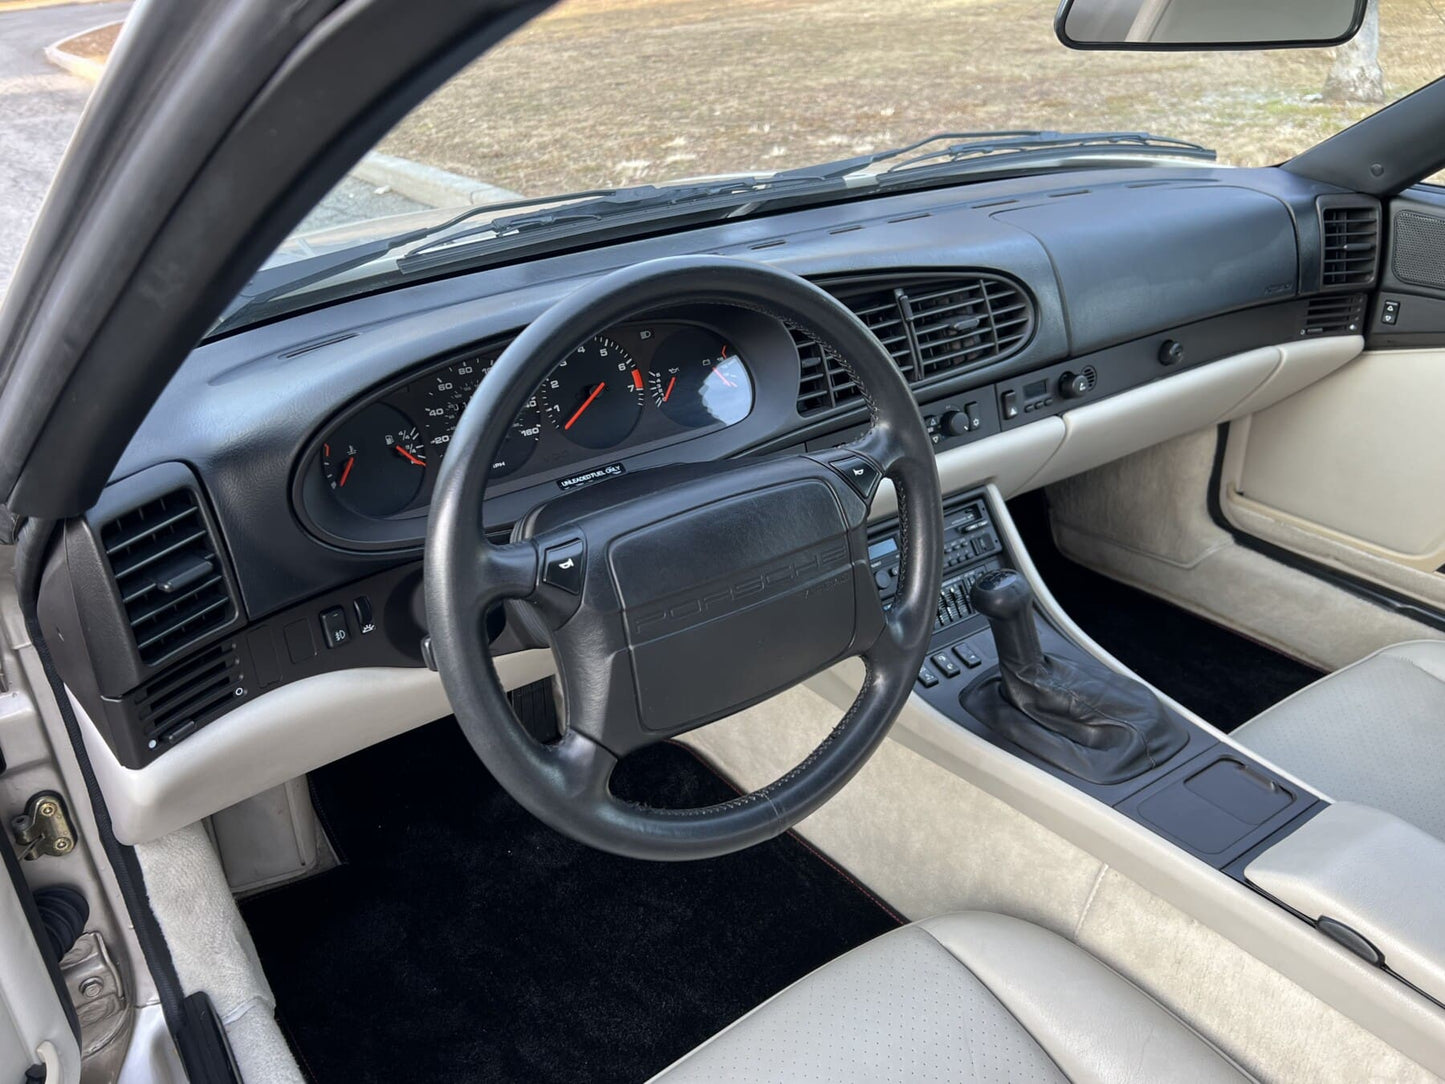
[(1377, 876)]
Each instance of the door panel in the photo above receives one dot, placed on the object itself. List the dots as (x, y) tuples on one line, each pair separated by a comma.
[(1355, 454), (1350, 472)]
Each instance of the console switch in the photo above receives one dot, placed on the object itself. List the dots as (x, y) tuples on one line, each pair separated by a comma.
[(333, 627)]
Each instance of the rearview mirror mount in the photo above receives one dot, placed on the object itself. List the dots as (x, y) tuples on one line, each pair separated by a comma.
[(1207, 24)]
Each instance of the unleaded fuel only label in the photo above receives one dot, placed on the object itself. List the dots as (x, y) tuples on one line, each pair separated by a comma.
[(587, 477)]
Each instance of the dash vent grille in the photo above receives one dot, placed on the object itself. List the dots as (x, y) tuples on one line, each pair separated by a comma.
[(189, 694), (1351, 244), (168, 572), (930, 325), (1340, 315)]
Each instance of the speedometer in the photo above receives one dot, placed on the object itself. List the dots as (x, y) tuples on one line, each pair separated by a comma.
[(594, 396), (449, 391)]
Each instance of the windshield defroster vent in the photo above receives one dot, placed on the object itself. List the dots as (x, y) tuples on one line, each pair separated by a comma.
[(929, 324), (168, 572), (1351, 242)]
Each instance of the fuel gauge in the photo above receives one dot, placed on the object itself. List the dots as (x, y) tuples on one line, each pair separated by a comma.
[(375, 461)]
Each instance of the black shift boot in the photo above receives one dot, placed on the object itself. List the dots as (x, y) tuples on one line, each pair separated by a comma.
[(1079, 716)]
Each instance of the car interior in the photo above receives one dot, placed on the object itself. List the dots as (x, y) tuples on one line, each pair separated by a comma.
[(945, 630)]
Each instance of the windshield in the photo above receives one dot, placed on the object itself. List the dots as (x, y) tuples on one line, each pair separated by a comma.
[(598, 95)]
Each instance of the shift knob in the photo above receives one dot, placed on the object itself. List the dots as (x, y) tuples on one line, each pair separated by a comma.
[(1006, 599)]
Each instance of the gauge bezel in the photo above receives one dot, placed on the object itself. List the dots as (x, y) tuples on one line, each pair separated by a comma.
[(763, 344)]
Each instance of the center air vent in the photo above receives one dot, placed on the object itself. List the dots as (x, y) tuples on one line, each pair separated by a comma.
[(167, 570), (1351, 242), (929, 324)]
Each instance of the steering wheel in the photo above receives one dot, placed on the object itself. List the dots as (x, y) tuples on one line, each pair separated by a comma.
[(677, 596)]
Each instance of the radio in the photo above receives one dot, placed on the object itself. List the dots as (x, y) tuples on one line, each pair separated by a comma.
[(971, 548)]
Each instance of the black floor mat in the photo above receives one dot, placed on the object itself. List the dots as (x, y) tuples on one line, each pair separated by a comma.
[(1223, 677), (464, 941)]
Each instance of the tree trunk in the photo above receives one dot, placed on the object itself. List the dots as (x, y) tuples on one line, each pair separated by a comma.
[(1356, 75)]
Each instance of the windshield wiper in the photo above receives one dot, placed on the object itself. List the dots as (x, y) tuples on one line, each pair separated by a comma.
[(270, 283), (642, 200), (1022, 142)]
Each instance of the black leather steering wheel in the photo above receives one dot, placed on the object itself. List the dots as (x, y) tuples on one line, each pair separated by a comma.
[(678, 596)]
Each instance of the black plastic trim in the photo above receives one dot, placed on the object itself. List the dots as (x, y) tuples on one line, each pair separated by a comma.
[(1384, 153)]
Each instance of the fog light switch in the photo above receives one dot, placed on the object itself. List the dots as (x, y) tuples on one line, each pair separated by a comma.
[(333, 627)]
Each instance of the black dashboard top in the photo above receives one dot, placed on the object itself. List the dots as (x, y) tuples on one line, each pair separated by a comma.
[(264, 416)]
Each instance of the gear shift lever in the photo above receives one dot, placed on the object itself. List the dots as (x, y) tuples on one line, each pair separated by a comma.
[(1006, 599), (1072, 712)]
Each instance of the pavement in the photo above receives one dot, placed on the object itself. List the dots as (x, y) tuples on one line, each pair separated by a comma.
[(40, 106)]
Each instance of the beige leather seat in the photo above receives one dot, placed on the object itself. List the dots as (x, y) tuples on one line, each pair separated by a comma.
[(964, 997), (1372, 733)]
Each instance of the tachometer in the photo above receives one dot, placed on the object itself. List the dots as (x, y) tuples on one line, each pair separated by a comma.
[(594, 396), (698, 380), (447, 395), (375, 461)]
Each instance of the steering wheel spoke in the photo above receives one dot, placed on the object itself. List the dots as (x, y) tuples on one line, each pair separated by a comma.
[(500, 572)]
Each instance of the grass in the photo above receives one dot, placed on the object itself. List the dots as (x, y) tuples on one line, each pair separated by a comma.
[(606, 92)]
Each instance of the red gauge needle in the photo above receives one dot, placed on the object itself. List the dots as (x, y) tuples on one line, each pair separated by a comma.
[(668, 392), (346, 472), (585, 404), (723, 377), (408, 456)]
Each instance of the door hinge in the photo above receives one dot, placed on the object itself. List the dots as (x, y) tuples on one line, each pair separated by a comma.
[(44, 828)]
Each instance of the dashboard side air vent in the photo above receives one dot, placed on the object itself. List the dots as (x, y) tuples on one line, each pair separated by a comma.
[(168, 573), (188, 695), (929, 324), (1340, 315), (1350, 229)]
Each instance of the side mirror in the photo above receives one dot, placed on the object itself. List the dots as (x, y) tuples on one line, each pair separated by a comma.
[(1207, 24)]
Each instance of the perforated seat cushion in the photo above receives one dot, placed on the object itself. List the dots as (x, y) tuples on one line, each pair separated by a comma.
[(965, 997), (1372, 733)]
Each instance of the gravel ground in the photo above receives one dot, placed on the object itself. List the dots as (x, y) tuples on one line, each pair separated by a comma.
[(605, 92)]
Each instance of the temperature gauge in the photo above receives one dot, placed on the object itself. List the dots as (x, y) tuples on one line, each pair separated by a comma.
[(375, 461)]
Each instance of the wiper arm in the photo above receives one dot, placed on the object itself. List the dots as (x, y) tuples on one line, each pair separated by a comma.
[(976, 144), (273, 282), (1031, 143), (642, 198)]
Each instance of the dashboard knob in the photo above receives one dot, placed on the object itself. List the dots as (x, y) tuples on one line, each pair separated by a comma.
[(1171, 352), (958, 423), (1073, 385)]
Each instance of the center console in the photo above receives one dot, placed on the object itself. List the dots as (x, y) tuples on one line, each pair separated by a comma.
[(997, 667)]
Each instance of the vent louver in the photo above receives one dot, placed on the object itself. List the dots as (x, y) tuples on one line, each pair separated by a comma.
[(930, 325), (1351, 244), (189, 695), (168, 572), (1342, 315)]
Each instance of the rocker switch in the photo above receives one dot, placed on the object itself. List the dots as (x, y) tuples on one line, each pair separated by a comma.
[(333, 627)]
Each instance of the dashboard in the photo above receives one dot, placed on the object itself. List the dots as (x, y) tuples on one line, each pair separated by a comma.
[(299, 457)]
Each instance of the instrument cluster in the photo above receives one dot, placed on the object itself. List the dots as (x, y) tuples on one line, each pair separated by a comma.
[(632, 385)]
